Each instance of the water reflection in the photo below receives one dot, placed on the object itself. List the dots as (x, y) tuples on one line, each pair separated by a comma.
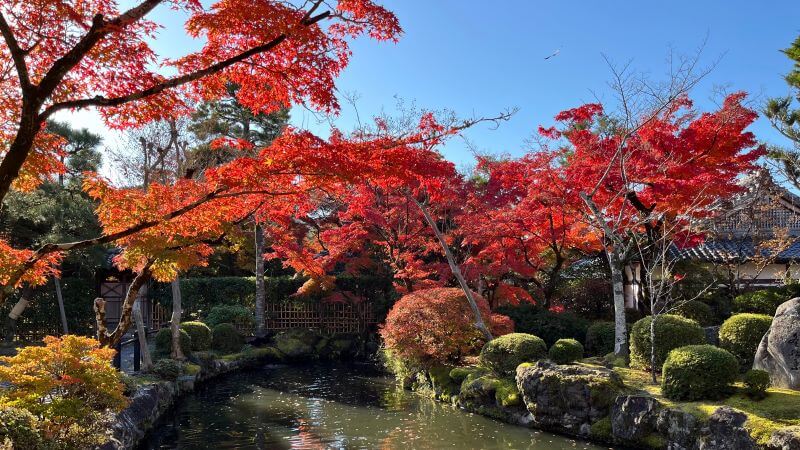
[(331, 407)]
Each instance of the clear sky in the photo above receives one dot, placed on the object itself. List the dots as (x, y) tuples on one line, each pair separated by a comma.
[(482, 57)]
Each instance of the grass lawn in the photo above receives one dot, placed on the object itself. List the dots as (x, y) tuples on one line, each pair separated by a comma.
[(780, 409)]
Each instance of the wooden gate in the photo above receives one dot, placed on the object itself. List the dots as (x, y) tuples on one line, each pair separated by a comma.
[(113, 292)]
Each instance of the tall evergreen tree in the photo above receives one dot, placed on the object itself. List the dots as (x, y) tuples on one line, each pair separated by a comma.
[(784, 115)]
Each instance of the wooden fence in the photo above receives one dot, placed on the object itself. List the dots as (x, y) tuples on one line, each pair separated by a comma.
[(330, 318)]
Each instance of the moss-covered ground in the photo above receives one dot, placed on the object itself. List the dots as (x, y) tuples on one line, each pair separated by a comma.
[(780, 408)]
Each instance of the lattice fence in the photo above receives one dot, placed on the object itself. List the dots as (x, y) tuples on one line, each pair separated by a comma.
[(329, 317)]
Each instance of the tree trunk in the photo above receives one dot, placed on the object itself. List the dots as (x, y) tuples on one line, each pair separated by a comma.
[(126, 314), (147, 361), (620, 327), (61, 310), (175, 323), (16, 312), (479, 323), (261, 291), (653, 348)]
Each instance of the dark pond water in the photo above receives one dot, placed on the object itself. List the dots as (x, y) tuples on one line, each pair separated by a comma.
[(331, 407)]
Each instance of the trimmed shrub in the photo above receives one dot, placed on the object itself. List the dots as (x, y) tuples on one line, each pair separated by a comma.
[(697, 311), (241, 317), (164, 342), (741, 334), (565, 351), (19, 426), (548, 325), (169, 369), (502, 355), (698, 372), (600, 338), (764, 301), (756, 383), (435, 327), (199, 334), (225, 338), (671, 332)]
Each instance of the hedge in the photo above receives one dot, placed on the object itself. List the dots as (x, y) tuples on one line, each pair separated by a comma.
[(698, 372), (764, 301), (240, 316), (697, 311), (226, 339), (548, 325), (600, 338), (42, 316), (164, 342), (671, 332)]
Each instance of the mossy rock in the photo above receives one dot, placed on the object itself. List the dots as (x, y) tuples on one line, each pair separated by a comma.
[(502, 355), (479, 390), (601, 430), (443, 386), (297, 343)]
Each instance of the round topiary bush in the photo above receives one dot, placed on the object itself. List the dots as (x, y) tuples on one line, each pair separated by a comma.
[(756, 383), (600, 338), (697, 311), (238, 315), (436, 326), (200, 335), (168, 369), (741, 334), (225, 339), (164, 342), (698, 372), (565, 351), (502, 355), (670, 331), (19, 426)]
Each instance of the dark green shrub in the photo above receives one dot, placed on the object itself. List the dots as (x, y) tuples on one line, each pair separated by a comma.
[(600, 338), (200, 335), (565, 351), (698, 372), (756, 383), (502, 355), (548, 325), (241, 317), (225, 338), (164, 342), (169, 369), (764, 301), (19, 426), (633, 315), (741, 334), (697, 311), (671, 332)]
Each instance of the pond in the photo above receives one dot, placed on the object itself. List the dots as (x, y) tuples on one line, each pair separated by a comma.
[(331, 406)]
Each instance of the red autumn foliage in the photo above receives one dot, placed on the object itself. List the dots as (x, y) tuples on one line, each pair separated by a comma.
[(436, 326)]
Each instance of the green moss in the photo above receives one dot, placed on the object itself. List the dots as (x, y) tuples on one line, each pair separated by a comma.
[(506, 392), (654, 441), (443, 385), (602, 429)]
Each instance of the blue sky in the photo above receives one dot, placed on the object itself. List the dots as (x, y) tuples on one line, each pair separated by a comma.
[(480, 58)]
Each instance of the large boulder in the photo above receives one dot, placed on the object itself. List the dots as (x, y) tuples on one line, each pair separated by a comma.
[(779, 350), (568, 398)]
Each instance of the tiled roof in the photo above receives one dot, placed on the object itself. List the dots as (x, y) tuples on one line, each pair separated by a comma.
[(727, 250)]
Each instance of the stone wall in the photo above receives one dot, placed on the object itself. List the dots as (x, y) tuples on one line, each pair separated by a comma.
[(593, 403)]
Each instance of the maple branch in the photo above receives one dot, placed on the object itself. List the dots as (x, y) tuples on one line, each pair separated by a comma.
[(101, 101), (17, 54)]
